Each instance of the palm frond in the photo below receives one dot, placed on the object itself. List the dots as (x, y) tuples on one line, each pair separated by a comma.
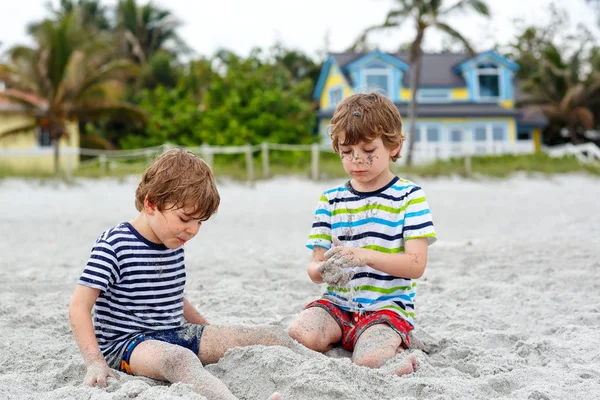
[(24, 99), (117, 111), (393, 19), (582, 115), (455, 35), (479, 6), (18, 130), (114, 70)]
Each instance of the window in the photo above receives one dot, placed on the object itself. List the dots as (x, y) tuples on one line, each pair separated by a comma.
[(524, 135), (433, 96), (44, 139), (335, 96), (456, 135), (417, 137), (377, 76), (433, 134), (480, 133), (498, 134), (378, 81), (488, 80)]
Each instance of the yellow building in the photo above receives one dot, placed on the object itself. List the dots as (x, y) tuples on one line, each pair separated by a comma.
[(466, 102), (32, 150)]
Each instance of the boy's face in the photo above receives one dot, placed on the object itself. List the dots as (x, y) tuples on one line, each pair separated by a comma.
[(367, 163), (172, 226)]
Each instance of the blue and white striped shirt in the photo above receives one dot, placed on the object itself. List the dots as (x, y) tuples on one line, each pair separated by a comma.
[(382, 220), (141, 286)]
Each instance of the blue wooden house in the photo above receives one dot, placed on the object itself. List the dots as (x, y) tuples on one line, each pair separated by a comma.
[(466, 102)]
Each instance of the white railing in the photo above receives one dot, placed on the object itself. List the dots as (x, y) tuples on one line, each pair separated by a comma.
[(423, 153), (110, 159), (430, 152), (585, 152)]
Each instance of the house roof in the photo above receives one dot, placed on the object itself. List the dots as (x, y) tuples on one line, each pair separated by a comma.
[(449, 110), (437, 68), (531, 116), (12, 105)]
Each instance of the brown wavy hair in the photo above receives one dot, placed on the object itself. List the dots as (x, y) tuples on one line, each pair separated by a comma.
[(364, 117), (179, 179)]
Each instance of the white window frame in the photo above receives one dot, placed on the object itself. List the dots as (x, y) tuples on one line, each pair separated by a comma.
[(333, 89), (504, 132), (379, 71), (447, 96), (489, 71)]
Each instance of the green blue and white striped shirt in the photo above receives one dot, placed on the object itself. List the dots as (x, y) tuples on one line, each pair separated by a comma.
[(382, 220)]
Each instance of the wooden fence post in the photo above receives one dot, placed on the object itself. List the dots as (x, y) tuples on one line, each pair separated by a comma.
[(250, 164), (208, 156), (102, 162), (265, 159), (315, 162), (149, 156), (468, 166)]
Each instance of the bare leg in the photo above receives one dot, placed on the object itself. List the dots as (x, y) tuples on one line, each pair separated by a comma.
[(376, 345), (315, 329), (172, 363), (216, 340)]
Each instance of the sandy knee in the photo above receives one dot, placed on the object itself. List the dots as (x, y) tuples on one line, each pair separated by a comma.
[(310, 338), (175, 358)]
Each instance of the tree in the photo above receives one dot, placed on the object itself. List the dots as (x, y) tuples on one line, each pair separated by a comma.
[(425, 14), (70, 74), (558, 76), (227, 101), (145, 30), (90, 13)]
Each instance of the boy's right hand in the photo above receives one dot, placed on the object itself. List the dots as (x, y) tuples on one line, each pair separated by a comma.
[(98, 373), (334, 275)]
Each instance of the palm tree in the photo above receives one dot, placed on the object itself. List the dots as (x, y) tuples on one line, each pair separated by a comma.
[(69, 75), (424, 14), (91, 13), (559, 89), (145, 30)]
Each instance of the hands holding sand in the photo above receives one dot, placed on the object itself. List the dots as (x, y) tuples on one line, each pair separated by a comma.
[(336, 269)]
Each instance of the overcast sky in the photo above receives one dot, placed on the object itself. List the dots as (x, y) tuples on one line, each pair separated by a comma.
[(240, 25)]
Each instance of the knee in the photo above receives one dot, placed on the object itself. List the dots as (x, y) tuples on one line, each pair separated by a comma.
[(310, 338), (177, 358)]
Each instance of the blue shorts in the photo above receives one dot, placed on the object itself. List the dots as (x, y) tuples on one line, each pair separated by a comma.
[(187, 336)]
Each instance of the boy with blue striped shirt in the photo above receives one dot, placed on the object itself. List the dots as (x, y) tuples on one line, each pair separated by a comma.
[(369, 240), (134, 280)]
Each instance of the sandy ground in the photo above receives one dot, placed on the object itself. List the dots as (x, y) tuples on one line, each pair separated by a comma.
[(509, 306)]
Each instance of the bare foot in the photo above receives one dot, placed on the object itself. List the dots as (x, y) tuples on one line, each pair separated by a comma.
[(408, 368), (275, 396)]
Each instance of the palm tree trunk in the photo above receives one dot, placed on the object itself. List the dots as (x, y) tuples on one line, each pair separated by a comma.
[(415, 73), (56, 155)]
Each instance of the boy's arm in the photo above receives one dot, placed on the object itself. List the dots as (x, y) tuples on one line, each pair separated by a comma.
[(410, 264), (192, 315), (80, 314), (318, 257)]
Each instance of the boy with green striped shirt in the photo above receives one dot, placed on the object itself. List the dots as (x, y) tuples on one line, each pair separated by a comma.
[(369, 240)]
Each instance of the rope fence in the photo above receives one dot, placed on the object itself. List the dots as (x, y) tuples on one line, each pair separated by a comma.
[(109, 160)]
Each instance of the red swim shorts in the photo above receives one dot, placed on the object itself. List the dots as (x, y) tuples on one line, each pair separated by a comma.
[(354, 324)]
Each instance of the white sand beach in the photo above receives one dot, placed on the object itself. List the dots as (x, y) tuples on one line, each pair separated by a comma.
[(508, 308)]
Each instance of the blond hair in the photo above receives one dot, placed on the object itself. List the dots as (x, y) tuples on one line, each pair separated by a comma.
[(364, 117), (179, 179)]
